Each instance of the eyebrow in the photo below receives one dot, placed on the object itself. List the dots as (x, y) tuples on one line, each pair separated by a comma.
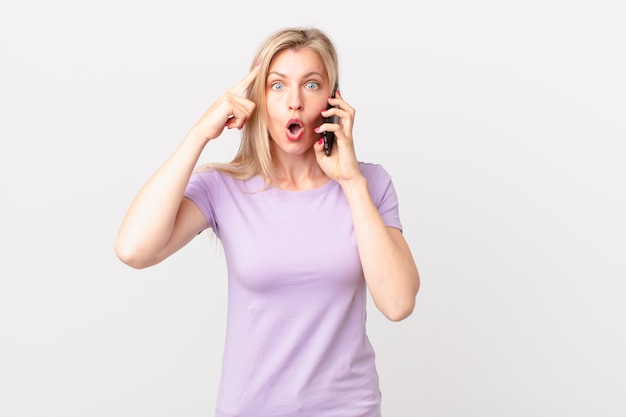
[(278, 74)]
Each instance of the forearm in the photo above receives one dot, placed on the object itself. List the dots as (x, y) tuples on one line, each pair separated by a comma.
[(149, 221), (388, 265)]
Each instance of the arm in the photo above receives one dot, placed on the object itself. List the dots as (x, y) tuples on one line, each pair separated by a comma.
[(388, 265), (159, 220)]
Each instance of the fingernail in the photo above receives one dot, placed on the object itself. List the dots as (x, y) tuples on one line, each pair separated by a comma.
[(316, 130), (319, 142)]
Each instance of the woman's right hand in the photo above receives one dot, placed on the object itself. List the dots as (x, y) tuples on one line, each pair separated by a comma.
[(231, 110)]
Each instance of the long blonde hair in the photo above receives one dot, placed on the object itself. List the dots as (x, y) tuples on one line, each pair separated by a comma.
[(254, 156)]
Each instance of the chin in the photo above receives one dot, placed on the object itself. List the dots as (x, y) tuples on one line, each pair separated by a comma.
[(294, 147)]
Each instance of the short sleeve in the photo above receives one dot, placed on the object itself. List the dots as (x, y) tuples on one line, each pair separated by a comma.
[(203, 189), (383, 193)]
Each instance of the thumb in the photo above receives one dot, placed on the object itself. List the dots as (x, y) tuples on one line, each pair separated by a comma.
[(318, 147)]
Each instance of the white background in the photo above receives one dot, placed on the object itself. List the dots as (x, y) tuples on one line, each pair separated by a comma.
[(501, 122)]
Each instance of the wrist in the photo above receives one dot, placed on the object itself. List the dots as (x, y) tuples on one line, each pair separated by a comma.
[(197, 137), (352, 185)]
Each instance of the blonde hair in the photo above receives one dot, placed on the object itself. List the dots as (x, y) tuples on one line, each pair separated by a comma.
[(254, 156)]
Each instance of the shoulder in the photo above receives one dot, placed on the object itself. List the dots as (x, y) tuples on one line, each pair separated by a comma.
[(217, 179), (207, 172), (379, 182), (382, 192), (373, 171), (207, 178)]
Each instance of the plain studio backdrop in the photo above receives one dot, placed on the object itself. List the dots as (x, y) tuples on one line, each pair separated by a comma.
[(501, 123)]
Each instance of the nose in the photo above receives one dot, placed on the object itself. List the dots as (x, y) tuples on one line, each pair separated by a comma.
[(294, 100)]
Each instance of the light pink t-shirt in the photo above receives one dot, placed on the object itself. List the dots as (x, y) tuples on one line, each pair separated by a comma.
[(296, 343)]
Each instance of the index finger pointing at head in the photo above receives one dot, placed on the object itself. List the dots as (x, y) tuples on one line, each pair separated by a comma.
[(243, 85)]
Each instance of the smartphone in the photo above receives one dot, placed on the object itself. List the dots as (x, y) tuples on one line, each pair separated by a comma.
[(329, 137)]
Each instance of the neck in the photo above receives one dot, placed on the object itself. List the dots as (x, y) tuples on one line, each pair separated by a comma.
[(299, 173)]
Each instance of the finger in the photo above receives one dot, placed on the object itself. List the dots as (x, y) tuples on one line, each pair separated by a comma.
[(236, 122), (340, 103), (238, 119), (318, 148), (243, 85)]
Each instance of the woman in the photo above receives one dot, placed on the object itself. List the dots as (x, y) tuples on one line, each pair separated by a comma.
[(304, 235)]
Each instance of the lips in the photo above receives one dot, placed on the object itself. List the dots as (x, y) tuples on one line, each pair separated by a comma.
[(295, 129)]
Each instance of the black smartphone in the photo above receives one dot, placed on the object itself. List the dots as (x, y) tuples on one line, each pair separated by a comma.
[(329, 137)]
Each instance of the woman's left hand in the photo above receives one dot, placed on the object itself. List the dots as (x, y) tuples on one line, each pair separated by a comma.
[(342, 164)]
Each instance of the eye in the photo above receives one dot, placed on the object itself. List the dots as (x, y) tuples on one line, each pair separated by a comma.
[(277, 86), (312, 85)]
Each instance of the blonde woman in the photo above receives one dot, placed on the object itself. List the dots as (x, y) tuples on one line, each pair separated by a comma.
[(305, 235)]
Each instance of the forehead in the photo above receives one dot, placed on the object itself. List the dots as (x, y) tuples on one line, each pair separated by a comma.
[(290, 62)]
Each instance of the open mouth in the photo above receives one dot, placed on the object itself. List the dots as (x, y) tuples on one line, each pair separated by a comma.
[(295, 129)]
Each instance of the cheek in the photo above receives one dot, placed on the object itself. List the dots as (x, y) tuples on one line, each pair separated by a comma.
[(270, 106), (316, 107), (272, 110), (274, 118)]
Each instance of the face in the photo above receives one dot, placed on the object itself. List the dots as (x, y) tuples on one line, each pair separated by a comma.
[(297, 90)]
